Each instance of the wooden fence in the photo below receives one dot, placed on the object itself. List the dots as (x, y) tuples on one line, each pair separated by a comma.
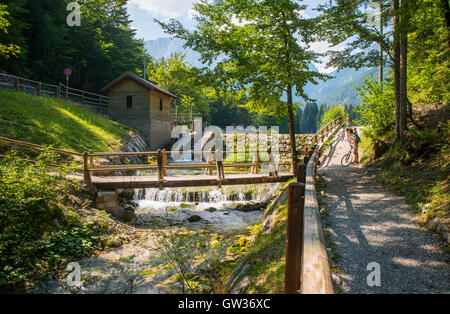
[(307, 267), (94, 102)]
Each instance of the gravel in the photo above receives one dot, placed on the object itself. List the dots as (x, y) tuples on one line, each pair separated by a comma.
[(368, 224)]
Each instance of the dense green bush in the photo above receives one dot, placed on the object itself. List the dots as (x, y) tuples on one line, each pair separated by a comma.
[(333, 113), (377, 108), (37, 228)]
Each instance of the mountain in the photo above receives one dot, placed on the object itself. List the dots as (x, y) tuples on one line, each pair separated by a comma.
[(338, 90), (164, 47)]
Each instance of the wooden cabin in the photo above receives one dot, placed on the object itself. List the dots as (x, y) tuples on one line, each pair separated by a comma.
[(143, 105)]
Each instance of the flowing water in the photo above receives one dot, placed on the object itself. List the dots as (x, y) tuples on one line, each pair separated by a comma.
[(215, 207)]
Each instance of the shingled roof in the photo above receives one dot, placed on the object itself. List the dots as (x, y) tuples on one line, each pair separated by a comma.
[(141, 81)]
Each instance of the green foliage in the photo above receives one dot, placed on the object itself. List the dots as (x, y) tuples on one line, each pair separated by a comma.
[(98, 51), (6, 50), (256, 50), (308, 119), (176, 76), (333, 113), (428, 58), (182, 249), (344, 22), (55, 122), (37, 229), (377, 105)]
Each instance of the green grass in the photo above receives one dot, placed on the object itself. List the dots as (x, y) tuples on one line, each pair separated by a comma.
[(49, 121), (266, 254)]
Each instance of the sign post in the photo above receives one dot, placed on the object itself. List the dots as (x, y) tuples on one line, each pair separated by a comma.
[(67, 73)]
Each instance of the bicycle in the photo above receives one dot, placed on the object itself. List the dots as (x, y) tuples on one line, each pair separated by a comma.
[(347, 159)]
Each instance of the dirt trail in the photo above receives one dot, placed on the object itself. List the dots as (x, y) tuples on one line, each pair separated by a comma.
[(368, 224)]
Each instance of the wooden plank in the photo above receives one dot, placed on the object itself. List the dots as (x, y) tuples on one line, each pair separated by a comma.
[(316, 272), (117, 182)]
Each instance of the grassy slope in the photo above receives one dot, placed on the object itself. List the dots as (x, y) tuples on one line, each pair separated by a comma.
[(265, 256), (58, 123)]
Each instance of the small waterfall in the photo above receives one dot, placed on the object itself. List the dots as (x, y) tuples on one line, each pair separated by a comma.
[(248, 193)]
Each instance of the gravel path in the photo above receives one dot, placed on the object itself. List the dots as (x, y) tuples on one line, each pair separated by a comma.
[(368, 224)]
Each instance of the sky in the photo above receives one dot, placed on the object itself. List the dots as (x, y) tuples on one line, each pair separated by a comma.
[(142, 12)]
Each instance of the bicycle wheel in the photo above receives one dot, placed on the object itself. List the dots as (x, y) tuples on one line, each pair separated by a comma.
[(346, 160)]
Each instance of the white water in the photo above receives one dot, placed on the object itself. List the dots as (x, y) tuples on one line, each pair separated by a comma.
[(194, 201)]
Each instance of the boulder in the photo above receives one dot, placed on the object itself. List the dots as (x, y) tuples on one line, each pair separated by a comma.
[(128, 216), (194, 218)]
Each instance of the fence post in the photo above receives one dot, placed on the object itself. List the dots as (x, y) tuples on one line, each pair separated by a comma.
[(159, 160), (164, 161), (220, 173), (301, 172), (87, 174), (39, 89), (255, 168), (294, 238)]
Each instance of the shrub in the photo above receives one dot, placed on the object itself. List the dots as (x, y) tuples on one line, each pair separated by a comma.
[(377, 108), (37, 228), (333, 113)]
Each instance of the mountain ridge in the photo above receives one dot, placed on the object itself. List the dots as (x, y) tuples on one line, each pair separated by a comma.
[(338, 90)]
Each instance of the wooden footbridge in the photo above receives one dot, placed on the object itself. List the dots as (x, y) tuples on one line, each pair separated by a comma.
[(159, 173)]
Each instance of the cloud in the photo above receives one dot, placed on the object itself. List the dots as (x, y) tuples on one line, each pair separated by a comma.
[(165, 8)]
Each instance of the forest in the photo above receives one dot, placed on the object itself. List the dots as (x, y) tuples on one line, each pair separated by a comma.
[(38, 44)]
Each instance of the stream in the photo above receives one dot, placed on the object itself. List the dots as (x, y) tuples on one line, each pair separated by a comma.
[(138, 266)]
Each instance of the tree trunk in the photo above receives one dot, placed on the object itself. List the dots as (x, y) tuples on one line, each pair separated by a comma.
[(403, 80), (398, 129), (403, 67), (446, 10), (380, 74), (291, 128)]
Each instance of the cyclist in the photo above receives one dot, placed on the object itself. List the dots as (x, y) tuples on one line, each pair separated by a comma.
[(354, 140), (348, 127)]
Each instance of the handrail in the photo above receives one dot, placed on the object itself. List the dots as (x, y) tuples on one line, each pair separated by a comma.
[(20, 83), (307, 267), (61, 151), (315, 268)]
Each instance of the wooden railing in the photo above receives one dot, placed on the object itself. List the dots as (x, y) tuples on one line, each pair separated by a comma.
[(17, 83), (78, 96), (307, 267), (182, 117), (40, 147), (82, 97), (161, 164)]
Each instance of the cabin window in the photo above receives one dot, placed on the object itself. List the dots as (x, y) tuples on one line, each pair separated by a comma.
[(129, 101), (161, 104)]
